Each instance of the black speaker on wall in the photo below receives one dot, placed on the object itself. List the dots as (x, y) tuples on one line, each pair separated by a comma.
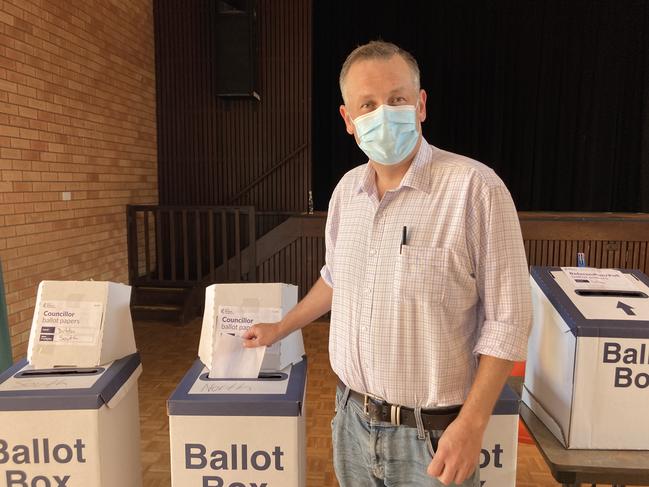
[(236, 48)]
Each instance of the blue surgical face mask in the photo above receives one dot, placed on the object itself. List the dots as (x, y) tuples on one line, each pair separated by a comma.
[(388, 134)]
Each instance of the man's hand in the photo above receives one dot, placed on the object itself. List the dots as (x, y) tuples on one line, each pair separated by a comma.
[(314, 305), (459, 447), (262, 334), (457, 453)]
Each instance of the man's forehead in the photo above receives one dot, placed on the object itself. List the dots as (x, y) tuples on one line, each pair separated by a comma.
[(400, 90), (392, 74)]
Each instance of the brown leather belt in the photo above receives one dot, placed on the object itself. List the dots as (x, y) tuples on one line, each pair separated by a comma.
[(378, 410)]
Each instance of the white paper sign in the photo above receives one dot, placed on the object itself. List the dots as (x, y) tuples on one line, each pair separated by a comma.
[(20, 382), (77, 323), (278, 384), (499, 450), (235, 320), (598, 279)]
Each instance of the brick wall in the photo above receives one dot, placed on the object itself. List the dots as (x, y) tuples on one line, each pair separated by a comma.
[(77, 120)]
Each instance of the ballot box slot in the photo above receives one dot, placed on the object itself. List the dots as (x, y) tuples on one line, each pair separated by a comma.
[(263, 376), (272, 376), (30, 374), (610, 294)]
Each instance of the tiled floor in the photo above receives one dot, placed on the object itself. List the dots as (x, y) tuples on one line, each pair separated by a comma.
[(168, 351)]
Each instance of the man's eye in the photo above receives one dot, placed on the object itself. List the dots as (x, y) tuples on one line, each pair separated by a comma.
[(399, 99), (367, 106)]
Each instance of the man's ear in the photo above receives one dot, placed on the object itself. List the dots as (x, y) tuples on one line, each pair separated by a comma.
[(421, 108), (349, 126)]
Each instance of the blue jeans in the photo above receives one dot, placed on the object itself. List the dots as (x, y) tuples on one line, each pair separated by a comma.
[(377, 454)]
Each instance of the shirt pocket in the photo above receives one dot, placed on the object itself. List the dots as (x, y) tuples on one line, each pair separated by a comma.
[(420, 273)]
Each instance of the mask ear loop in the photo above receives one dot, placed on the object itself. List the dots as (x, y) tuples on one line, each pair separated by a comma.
[(417, 107)]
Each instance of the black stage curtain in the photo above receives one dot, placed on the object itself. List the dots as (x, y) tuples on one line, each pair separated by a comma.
[(552, 94)]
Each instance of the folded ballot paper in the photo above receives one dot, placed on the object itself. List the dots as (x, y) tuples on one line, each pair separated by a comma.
[(80, 324), (230, 309)]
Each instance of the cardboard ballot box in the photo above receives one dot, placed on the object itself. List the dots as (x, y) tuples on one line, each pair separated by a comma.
[(80, 324), (500, 443), (587, 373), (234, 432), (230, 309), (70, 427)]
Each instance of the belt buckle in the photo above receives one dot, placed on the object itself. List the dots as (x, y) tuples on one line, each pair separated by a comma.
[(366, 402), (395, 415)]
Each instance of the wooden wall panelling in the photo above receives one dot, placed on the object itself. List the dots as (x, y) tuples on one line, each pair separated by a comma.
[(213, 148)]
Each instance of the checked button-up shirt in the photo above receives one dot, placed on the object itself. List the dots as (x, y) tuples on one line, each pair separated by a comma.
[(408, 322)]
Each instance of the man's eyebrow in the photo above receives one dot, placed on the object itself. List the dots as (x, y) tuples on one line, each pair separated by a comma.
[(365, 99)]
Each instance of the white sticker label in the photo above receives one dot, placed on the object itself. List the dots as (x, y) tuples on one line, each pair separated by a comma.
[(598, 279), (235, 320), (66, 323)]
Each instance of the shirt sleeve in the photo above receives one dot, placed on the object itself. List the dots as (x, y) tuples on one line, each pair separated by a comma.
[(502, 275), (331, 233)]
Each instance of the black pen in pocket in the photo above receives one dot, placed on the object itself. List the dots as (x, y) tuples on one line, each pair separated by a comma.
[(404, 232)]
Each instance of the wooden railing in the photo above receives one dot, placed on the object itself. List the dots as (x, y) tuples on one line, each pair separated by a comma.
[(290, 247), (189, 245), (294, 251), (608, 240), (269, 220)]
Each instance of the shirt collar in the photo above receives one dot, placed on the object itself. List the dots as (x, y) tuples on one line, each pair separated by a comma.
[(417, 176)]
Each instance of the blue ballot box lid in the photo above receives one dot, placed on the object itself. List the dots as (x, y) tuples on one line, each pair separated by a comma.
[(23, 388), (507, 402), (579, 325), (279, 395)]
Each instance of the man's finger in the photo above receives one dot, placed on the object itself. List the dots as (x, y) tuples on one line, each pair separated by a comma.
[(436, 466), (448, 475), (462, 475), (249, 334), (249, 344)]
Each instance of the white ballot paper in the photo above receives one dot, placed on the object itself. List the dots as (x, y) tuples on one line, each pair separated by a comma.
[(598, 279), (229, 358), (232, 361)]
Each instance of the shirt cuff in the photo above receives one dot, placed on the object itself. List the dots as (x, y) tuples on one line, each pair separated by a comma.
[(502, 340), (326, 276)]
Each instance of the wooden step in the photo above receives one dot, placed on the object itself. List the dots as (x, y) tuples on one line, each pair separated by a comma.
[(159, 295), (152, 312)]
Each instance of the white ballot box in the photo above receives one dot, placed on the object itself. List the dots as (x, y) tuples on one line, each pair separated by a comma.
[(80, 324), (230, 309), (587, 373), (235, 432), (70, 427), (500, 443)]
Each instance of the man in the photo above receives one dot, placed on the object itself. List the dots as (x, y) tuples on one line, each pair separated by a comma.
[(427, 283)]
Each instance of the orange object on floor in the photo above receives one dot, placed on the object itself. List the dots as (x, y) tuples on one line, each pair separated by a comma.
[(518, 370), (523, 434)]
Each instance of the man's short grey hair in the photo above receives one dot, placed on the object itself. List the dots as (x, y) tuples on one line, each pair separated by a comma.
[(377, 50)]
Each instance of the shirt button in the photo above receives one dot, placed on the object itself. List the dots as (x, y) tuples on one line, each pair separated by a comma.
[(373, 252), (365, 328), (368, 290)]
